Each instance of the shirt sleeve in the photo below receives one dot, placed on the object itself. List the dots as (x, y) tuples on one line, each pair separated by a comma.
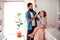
[(28, 16)]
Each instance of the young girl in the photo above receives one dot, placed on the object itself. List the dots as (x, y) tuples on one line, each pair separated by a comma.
[(42, 25)]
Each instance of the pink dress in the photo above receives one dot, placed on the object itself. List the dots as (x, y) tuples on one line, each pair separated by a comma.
[(40, 34)]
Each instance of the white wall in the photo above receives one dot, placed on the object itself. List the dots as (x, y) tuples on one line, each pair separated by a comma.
[(1, 18), (50, 6)]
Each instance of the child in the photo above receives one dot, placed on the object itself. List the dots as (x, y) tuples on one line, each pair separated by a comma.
[(42, 24)]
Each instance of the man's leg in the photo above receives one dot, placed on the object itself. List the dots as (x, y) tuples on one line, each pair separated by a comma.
[(32, 31), (29, 32)]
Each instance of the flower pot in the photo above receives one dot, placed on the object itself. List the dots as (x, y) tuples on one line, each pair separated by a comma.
[(19, 34)]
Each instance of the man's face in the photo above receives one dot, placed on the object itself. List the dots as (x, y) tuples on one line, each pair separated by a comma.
[(31, 7)]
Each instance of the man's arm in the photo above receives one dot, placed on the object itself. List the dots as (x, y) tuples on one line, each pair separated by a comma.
[(37, 17), (32, 18), (29, 18)]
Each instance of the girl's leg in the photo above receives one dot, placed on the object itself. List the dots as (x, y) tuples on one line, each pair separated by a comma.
[(41, 35), (44, 34), (33, 33)]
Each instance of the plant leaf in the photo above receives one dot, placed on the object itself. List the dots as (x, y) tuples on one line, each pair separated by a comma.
[(17, 21), (18, 25), (21, 23), (18, 14)]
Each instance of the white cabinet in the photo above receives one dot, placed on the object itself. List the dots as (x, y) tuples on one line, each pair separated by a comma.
[(49, 36)]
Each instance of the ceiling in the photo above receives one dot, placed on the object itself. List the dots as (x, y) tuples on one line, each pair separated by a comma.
[(13, 0)]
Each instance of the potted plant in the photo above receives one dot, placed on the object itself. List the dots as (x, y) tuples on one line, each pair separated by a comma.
[(19, 23)]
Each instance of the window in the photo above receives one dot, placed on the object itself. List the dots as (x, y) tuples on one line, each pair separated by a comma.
[(10, 28)]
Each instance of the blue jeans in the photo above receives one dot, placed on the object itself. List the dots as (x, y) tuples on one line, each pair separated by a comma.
[(29, 32)]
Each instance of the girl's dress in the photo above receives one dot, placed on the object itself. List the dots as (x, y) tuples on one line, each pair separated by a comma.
[(42, 22), (40, 34)]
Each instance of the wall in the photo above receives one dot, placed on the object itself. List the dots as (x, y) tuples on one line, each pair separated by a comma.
[(1, 18), (50, 6)]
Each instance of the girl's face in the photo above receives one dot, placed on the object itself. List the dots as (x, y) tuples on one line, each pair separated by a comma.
[(42, 14)]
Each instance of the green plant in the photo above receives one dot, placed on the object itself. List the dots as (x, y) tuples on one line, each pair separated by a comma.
[(19, 22)]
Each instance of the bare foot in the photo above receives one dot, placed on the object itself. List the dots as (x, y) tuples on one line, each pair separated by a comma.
[(30, 35)]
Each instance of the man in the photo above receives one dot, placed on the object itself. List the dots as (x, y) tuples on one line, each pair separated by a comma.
[(31, 20)]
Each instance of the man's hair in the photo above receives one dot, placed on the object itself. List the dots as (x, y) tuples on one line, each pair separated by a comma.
[(29, 4)]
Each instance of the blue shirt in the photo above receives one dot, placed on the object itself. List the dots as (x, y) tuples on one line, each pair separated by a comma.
[(28, 16)]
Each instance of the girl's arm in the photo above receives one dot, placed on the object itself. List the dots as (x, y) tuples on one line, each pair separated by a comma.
[(39, 23)]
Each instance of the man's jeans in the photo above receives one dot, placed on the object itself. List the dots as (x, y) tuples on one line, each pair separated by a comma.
[(29, 32)]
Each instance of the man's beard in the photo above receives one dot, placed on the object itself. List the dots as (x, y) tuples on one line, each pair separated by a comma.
[(31, 10)]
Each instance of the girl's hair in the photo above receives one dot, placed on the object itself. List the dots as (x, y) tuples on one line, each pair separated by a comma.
[(43, 12)]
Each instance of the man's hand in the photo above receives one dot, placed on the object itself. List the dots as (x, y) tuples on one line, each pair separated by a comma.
[(32, 18)]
